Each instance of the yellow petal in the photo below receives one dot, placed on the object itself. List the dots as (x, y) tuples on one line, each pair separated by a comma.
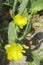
[(23, 51), (26, 47), (7, 46), (20, 55), (15, 57), (10, 56)]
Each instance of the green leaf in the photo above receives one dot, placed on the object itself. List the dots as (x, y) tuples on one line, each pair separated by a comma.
[(23, 6), (20, 1), (25, 13), (41, 49), (9, 3), (12, 34), (14, 7), (31, 63), (41, 57), (36, 5), (36, 58)]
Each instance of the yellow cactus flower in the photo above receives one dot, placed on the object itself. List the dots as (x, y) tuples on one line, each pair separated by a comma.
[(14, 51), (20, 21)]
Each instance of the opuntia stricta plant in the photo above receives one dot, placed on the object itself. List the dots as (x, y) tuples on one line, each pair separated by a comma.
[(22, 12)]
